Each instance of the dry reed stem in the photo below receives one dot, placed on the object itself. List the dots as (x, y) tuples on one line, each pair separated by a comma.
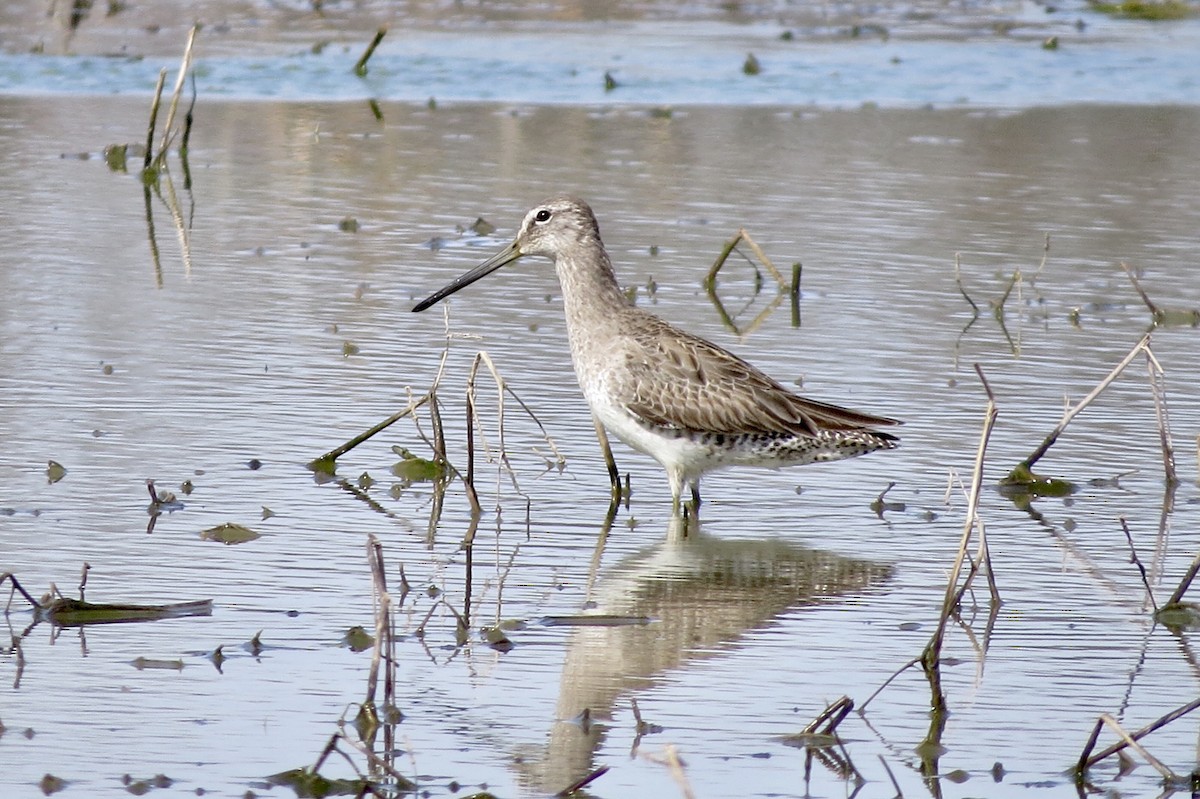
[(953, 592), (931, 656), (1185, 583), (831, 717), (1133, 744), (184, 66), (154, 103), (375, 761), (579, 784), (360, 66), (382, 614), (1159, 391), (502, 388), (862, 709), (1087, 760), (1137, 286), (1142, 346)]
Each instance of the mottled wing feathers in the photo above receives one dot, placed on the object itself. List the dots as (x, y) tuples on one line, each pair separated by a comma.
[(679, 381)]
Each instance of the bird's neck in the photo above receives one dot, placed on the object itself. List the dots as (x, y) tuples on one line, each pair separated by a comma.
[(589, 286)]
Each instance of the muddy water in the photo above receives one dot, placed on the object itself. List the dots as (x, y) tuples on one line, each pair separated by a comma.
[(285, 332)]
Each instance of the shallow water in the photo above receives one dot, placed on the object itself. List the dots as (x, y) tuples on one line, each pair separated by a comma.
[(284, 331), (843, 55), (794, 594)]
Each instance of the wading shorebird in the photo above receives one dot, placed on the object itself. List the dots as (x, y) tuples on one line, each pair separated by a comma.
[(684, 401)]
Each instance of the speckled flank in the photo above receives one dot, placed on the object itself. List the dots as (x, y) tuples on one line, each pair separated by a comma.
[(686, 402)]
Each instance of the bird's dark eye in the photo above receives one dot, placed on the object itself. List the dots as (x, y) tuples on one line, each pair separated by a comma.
[(542, 216)]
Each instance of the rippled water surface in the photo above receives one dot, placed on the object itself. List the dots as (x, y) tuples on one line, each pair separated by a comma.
[(268, 321)]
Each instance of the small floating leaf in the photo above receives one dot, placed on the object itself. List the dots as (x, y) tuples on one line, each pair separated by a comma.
[(143, 664), (610, 82), (482, 227), (55, 471), (267, 513), (50, 784), (229, 533), (803, 740), (413, 469), (324, 465), (358, 639), (751, 66), (349, 348), (1024, 481), (348, 225), (1178, 615), (114, 156), (1176, 317), (67, 612), (496, 639)]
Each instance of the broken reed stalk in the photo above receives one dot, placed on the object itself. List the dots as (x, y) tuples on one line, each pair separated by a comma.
[(360, 66), (17, 587), (830, 717), (1087, 759), (158, 89), (931, 656), (502, 388), (710, 279), (1185, 583), (402, 783), (578, 785), (1027, 464), (1154, 309), (469, 480), (184, 66), (337, 452)]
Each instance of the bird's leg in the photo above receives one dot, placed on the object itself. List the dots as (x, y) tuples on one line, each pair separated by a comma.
[(677, 505), (614, 475), (695, 485)]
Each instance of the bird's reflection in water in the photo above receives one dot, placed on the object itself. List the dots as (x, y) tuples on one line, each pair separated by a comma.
[(689, 597)]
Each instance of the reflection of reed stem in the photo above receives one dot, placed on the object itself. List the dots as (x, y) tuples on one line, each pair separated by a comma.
[(930, 658)]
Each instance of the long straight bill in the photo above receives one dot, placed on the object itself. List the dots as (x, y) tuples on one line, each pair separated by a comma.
[(505, 256)]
